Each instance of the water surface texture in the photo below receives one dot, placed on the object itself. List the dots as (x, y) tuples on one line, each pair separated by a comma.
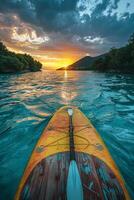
[(28, 101)]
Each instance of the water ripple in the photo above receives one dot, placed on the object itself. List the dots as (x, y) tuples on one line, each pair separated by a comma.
[(28, 101)]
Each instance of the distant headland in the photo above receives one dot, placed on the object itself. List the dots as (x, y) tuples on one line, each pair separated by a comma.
[(117, 60), (11, 62)]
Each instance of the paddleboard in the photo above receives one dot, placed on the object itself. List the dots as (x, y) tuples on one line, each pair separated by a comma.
[(71, 161)]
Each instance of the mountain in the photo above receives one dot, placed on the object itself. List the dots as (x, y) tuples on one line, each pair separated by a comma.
[(11, 62), (116, 60), (83, 64)]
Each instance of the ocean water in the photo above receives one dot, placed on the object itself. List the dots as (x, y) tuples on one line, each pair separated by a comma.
[(28, 101)]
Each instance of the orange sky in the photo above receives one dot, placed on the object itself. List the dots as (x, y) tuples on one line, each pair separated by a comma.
[(53, 50), (57, 33), (51, 59), (52, 53)]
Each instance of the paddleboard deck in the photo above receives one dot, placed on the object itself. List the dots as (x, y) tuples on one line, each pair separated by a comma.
[(46, 175)]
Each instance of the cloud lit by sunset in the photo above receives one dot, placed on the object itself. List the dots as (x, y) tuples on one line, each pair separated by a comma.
[(57, 33)]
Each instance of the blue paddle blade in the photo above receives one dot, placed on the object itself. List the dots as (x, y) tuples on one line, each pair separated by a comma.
[(74, 185)]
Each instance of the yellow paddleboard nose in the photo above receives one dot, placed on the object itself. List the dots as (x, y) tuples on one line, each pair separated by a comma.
[(71, 138)]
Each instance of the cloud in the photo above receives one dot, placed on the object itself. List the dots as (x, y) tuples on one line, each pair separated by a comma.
[(53, 16), (22, 8), (81, 26)]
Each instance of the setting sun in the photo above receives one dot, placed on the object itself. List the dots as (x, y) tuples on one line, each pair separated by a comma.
[(49, 60), (56, 64)]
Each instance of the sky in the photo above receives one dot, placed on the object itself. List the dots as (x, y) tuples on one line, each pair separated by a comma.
[(59, 32)]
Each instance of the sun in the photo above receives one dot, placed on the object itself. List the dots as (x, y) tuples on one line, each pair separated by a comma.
[(59, 63)]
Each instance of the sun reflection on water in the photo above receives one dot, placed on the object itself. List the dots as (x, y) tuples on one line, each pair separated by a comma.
[(65, 74), (68, 90)]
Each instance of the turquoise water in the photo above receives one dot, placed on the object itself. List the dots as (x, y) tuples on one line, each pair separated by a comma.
[(27, 102)]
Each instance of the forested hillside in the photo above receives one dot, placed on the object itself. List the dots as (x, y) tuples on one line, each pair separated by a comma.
[(15, 62)]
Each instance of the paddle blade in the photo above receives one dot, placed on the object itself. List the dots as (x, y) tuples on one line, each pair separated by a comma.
[(74, 185)]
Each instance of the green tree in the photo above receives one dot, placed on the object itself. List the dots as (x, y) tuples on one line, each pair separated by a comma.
[(12, 62), (3, 48), (121, 59), (131, 40)]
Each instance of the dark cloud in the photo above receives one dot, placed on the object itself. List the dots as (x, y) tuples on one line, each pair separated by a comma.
[(112, 28), (128, 5), (115, 4), (52, 15), (101, 7), (62, 20), (55, 15), (23, 8)]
